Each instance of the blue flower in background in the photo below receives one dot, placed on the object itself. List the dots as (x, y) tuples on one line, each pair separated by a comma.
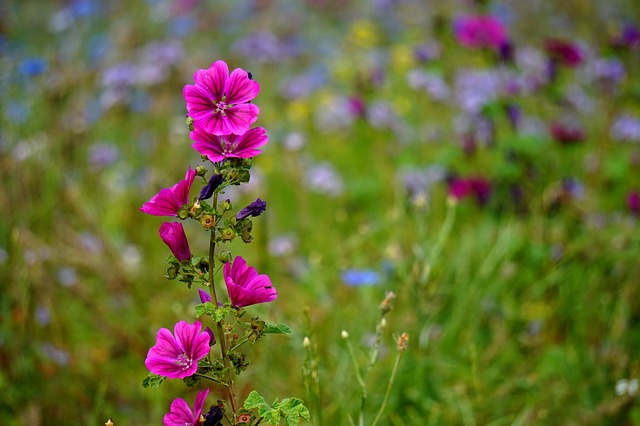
[(32, 66), (360, 277)]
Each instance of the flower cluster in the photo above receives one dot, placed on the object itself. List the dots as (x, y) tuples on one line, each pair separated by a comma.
[(220, 115)]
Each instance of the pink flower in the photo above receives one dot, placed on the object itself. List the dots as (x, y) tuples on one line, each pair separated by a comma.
[(219, 101), (177, 357), (480, 32), (168, 201), (245, 286), (172, 233), (181, 415), (217, 148), (564, 52), (478, 187), (633, 202)]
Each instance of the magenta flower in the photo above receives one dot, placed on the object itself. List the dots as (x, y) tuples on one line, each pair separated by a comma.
[(168, 201), (181, 415), (217, 148), (245, 286), (219, 101), (478, 187), (564, 52), (177, 357), (480, 32), (633, 202), (172, 233)]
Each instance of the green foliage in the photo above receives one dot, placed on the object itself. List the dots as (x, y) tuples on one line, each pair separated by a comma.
[(152, 381), (291, 410)]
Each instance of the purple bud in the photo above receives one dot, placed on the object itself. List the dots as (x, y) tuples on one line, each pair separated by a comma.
[(204, 296), (254, 209), (172, 233), (212, 185), (212, 337)]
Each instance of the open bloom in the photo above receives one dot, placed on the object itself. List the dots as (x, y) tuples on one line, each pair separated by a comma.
[(172, 233), (168, 201), (245, 286), (219, 101), (181, 415), (480, 32), (176, 357), (217, 148)]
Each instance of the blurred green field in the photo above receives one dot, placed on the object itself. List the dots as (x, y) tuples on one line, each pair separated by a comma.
[(522, 308)]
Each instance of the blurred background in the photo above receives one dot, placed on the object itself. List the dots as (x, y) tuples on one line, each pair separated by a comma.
[(491, 182)]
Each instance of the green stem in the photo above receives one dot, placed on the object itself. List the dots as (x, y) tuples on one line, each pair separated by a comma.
[(204, 376), (389, 385), (238, 344), (220, 335), (439, 244), (363, 399)]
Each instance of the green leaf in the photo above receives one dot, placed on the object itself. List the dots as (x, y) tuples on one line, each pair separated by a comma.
[(152, 381), (277, 329), (293, 409), (254, 400)]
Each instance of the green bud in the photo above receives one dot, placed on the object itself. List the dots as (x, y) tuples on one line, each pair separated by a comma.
[(195, 210), (172, 271), (208, 221), (225, 256), (201, 171), (183, 213), (190, 123), (226, 205), (228, 234)]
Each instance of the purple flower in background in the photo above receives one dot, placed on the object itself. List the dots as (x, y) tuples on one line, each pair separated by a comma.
[(564, 52), (176, 357), (566, 134), (219, 101), (633, 202), (245, 286), (626, 128), (102, 155), (476, 32), (254, 209), (32, 66), (168, 201), (628, 38), (217, 148), (181, 415), (478, 187), (172, 233)]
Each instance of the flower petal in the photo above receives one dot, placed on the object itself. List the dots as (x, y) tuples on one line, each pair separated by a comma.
[(239, 118), (179, 414), (214, 79), (247, 144), (240, 88), (199, 404), (208, 144)]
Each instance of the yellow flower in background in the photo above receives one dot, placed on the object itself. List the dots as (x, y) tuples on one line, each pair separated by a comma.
[(402, 57), (363, 33), (297, 111)]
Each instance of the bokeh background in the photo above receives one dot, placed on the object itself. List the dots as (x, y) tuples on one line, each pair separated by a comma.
[(521, 298)]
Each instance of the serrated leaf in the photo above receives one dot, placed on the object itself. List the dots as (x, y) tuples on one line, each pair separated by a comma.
[(254, 400), (152, 381), (277, 329)]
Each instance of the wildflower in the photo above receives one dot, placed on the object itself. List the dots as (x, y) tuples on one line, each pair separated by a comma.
[(566, 134), (181, 415), (360, 277), (633, 202), (254, 209), (169, 200), (217, 148), (564, 52), (463, 187), (172, 233), (176, 357), (480, 32), (219, 101), (245, 286)]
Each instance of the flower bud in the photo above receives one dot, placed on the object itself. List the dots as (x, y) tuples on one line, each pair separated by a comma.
[(386, 305), (172, 233), (195, 210), (226, 205), (254, 209), (228, 234), (306, 343), (344, 334), (225, 256), (184, 211), (208, 221), (201, 171), (403, 342), (189, 122)]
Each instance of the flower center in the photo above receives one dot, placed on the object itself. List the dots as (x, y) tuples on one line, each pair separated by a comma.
[(221, 106), (185, 361)]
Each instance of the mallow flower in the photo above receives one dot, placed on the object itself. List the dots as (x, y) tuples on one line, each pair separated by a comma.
[(217, 148), (480, 32), (254, 209), (172, 233), (168, 201), (180, 413), (176, 355), (245, 286), (219, 101)]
